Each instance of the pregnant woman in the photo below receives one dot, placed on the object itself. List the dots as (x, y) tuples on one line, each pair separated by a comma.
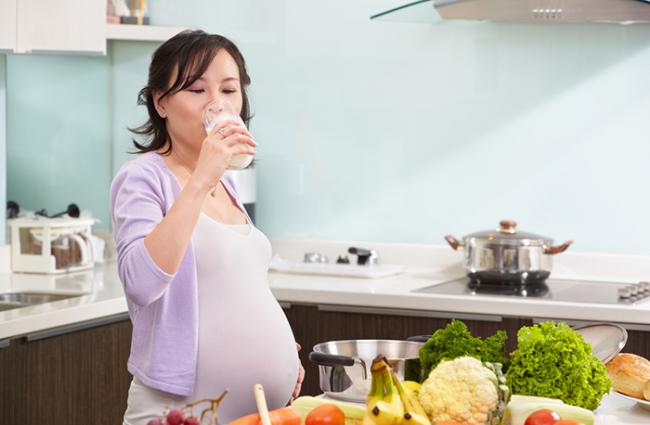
[(193, 265)]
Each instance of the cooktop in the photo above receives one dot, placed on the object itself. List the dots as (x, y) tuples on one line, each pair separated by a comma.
[(566, 290)]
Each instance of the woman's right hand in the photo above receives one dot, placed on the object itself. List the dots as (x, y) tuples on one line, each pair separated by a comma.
[(228, 138)]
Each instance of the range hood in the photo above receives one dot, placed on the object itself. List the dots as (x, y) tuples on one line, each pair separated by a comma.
[(619, 11)]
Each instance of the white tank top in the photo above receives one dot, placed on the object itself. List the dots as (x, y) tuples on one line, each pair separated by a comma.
[(244, 336)]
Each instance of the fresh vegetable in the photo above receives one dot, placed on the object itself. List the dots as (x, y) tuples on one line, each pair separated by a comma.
[(552, 360), (326, 414), (455, 340), (449, 423), (465, 390), (353, 412), (283, 416), (542, 417), (521, 407)]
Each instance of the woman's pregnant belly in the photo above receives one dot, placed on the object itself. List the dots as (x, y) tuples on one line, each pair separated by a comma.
[(243, 341)]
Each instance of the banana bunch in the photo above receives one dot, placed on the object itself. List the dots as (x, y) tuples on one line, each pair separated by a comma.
[(390, 402)]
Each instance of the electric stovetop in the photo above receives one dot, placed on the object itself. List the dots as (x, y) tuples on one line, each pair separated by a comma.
[(566, 290)]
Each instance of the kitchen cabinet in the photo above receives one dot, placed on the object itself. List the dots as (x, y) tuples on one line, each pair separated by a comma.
[(54, 26), (313, 324), (7, 26), (72, 375)]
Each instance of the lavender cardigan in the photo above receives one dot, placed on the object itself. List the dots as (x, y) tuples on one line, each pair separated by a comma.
[(162, 307)]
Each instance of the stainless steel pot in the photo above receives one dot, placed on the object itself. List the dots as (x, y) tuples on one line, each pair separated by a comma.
[(344, 366), (507, 256)]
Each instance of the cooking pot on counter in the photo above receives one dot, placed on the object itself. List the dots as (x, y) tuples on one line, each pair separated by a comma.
[(507, 256), (344, 366)]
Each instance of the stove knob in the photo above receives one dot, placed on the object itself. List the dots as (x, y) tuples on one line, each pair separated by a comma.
[(634, 290), (644, 286), (624, 292)]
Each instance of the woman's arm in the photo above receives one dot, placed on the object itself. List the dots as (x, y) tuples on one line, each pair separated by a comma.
[(168, 241)]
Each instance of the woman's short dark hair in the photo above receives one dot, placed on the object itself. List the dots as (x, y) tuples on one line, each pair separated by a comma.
[(190, 54)]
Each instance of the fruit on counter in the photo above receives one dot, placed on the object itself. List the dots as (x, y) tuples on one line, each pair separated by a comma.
[(184, 415), (465, 390), (384, 405), (353, 412), (283, 416), (542, 417), (552, 360), (455, 340), (521, 408), (326, 414), (629, 374), (414, 413), (412, 386)]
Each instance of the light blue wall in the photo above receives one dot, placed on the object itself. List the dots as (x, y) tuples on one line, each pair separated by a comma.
[(59, 147), (3, 145), (406, 132)]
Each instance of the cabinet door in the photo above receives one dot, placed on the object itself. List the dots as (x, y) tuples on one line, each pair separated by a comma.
[(65, 26), (7, 25)]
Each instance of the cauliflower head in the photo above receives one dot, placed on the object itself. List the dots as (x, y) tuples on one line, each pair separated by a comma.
[(462, 390)]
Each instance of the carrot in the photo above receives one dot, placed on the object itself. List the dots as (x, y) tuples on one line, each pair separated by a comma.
[(284, 416)]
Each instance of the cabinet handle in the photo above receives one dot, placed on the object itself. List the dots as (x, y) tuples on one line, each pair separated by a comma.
[(62, 330), (5, 343), (408, 313)]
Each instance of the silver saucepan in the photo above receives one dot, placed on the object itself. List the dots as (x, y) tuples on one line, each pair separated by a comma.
[(506, 255), (344, 366)]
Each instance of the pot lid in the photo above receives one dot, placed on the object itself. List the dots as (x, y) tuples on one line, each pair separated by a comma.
[(508, 233), (606, 339)]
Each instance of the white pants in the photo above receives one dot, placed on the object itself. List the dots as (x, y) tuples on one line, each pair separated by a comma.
[(146, 403)]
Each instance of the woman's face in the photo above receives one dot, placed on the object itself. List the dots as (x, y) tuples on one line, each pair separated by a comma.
[(184, 110)]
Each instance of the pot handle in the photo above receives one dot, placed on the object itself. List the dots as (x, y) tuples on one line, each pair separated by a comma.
[(552, 250), (419, 338), (323, 359), (453, 242)]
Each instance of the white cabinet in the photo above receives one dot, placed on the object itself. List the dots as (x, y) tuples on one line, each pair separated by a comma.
[(67, 26), (7, 25)]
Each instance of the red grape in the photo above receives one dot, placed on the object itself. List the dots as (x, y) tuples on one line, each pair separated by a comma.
[(175, 417), (191, 420)]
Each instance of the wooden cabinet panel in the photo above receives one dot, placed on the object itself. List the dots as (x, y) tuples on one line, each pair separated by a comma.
[(77, 379), (312, 326)]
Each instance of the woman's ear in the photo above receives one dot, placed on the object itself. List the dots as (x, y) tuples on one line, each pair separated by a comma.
[(159, 105)]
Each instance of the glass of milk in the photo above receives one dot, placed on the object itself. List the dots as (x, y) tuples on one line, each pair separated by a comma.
[(218, 111)]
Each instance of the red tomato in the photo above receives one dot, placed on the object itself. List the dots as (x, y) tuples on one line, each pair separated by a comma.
[(326, 414), (542, 417), (568, 422)]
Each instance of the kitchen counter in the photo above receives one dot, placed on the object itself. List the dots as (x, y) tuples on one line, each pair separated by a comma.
[(615, 410), (426, 265)]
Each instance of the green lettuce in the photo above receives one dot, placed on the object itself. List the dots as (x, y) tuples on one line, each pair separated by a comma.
[(552, 360), (455, 340)]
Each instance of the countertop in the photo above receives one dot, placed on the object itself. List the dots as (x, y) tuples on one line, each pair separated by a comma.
[(102, 295)]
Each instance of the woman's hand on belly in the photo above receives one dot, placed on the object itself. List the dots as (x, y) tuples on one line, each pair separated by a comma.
[(301, 377)]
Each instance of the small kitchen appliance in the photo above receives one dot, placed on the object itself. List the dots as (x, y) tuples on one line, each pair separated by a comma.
[(51, 245)]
